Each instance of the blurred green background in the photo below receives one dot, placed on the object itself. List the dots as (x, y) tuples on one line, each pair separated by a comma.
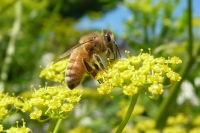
[(34, 33)]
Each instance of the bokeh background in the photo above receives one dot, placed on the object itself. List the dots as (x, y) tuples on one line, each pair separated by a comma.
[(34, 33)]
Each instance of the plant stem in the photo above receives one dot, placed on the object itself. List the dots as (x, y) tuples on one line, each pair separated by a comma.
[(57, 125), (128, 113), (11, 45), (167, 105), (51, 125)]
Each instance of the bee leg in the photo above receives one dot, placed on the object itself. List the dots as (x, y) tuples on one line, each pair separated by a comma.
[(99, 64), (117, 50), (108, 52), (90, 67), (99, 81), (99, 61), (93, 66)]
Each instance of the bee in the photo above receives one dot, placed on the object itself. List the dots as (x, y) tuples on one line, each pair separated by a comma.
[(85, 56)]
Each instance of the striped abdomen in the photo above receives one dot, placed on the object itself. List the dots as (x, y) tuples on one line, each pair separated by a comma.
[(75, 70)]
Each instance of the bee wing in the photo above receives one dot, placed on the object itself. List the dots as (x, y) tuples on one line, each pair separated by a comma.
[(68, 52)]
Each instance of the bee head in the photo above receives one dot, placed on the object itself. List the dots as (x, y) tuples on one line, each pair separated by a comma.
[(110, 43), (108, 36), (108, 39)]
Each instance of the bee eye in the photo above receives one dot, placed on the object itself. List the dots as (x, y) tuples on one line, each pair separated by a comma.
[(108, 39)]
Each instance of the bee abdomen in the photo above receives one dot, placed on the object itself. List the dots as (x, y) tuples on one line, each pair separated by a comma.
[(71, 80), (74, 73)]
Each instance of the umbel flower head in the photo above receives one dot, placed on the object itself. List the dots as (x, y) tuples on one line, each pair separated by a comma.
[(55, 72), (55, 101), (18, 129), (8, 105), (133, 74), (51, 102), (137, 73)]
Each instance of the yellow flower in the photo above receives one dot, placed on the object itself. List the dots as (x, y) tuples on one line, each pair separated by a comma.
[(155, 79), (80, 129), (8, 104), (196, 121), (137, 72), (3, 112), (122, 65), (195, 130), (36, 101), (160, 60), (136, 61), (130, 90), (55, 72), (1, 127), (51, 102), (36, 114), (174, 129), (67, 107), (17, 129), (126, 75), (175, 60), (173, 76), (104, 88), (26, 106), (131, 74), (138, 110), (156, 89), (176, 120), (145, 125)]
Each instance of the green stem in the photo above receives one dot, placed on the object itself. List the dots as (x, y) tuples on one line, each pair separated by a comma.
[(167, 105), (128, 113), (52, 122), (11, 45), (57, 125)]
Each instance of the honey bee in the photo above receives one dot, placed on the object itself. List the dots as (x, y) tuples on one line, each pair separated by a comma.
[(85, 56)]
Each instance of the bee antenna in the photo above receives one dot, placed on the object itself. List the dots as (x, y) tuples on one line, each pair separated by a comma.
[(117, 50)]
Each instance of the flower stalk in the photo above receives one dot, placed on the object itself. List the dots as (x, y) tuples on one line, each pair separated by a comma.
[(128, 113), (58, 124)]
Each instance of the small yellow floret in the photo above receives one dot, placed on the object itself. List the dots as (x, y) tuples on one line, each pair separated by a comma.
[(104, 88), (130, 90), (36, 114), (156, 89)]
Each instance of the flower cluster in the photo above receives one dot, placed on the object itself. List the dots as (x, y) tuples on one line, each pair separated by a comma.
[(56, 71), (135, 73), (179, 124), (178, 119), (52, 102), (141, 126), (17, 129), (8, 104), (175, 124)]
